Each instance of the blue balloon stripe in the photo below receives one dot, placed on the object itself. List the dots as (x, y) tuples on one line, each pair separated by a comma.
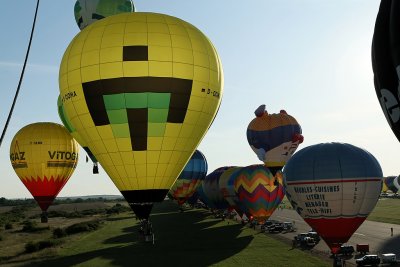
[(331, 161), (270, 139)]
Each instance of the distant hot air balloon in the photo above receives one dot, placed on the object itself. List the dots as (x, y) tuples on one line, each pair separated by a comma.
[(386, 62), (274, 137), (192, 200), (384, 186), (75, 135), (227, 188), (202, 196), (141, 89), (44, 156), (88, 11), (194, 172), (334, 187), (392, 183), (212, 191), (259, 191)]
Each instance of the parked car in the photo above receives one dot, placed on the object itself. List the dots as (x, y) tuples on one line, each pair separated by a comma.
[(314, 235), (362, 248), (370, 260), (276, 227), (346, 249), (389, 258), (268, 223), (304, 240), (288, 227), (309, 242)]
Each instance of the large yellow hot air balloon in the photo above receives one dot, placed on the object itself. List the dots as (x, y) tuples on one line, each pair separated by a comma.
[(142, 89), (44, 156)]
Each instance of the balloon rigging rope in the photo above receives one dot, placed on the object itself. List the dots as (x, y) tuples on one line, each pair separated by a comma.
[(21, 77)]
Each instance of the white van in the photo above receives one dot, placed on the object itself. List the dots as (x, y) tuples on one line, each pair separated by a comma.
[(389, 258)]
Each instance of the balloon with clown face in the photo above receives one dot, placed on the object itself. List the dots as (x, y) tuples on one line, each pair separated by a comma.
[(274, 137)]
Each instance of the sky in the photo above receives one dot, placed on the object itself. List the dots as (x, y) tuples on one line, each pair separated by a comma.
[(308, 57)]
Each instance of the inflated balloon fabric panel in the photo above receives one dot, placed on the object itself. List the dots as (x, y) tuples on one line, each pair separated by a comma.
[(67, 123), (202, 196), (392, 183), (332, 179), (192, 200), (64, 119), (44, 156), (141, 89), (335, 232), (259, 191), (89, 11), (227, 188), (333, 184), (386, 61), (212, 191), (194, 172), (72, 131), (272, 137)]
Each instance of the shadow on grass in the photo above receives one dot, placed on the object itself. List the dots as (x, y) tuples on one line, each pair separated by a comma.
[(190, 238), (113, 219), (392, 245)]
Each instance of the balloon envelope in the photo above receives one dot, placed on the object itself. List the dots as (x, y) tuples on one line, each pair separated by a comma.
[(212, 191), (334, 187), (67, 124), (259, 191), (227, 188), (202, 197), (89, 11), (141, 89), (274, 137), (392, 183), (194, 172), (386, 62), (44, 156)]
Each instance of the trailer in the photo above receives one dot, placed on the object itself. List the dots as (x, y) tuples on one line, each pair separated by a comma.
[(362, 248)]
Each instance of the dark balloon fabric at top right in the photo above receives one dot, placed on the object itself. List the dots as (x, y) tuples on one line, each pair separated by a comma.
[(386, 61)]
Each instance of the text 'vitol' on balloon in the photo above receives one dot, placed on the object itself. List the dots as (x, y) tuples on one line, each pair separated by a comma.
[(63, 155)]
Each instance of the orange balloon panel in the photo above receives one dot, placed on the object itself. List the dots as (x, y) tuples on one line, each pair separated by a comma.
[(44, 155)]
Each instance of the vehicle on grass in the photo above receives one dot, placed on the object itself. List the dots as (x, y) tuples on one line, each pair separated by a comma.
[(362, 248), (303, 239), (288, 227), (384, 195), (276, 228), (315, 236), (368, 260), (268, 223), (309, 242), (389, 258), (338, 261), (346, 249)]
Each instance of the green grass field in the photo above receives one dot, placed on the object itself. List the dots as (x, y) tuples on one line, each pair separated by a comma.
[(387, 210), (192, 238)]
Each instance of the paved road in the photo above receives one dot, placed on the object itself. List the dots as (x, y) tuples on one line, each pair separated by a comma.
[(376, 234)]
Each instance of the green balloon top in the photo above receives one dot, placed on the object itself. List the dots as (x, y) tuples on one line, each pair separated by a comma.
[(88, 11)]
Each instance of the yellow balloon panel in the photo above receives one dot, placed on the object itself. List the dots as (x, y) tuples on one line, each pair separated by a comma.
[(144, 83)]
